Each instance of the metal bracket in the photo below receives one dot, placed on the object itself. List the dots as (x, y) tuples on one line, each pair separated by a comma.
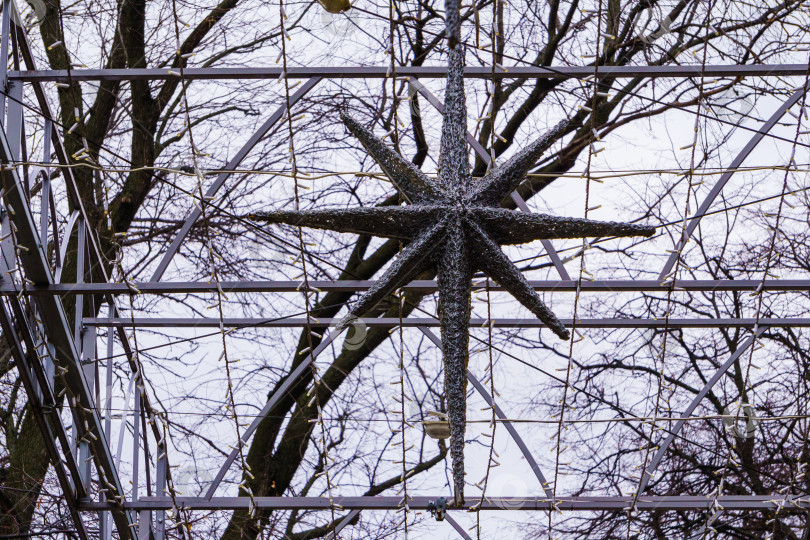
[(437, 508)]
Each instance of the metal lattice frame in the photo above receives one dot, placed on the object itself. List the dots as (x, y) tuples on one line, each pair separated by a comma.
[(45, 345)]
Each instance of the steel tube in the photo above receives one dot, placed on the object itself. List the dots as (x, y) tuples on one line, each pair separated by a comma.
[(40, 402), (289, 382), (583, 503), (569, 285), (37, 269), (413, 322), (649, 470), (423, 72), (196, 212), (459, 529)]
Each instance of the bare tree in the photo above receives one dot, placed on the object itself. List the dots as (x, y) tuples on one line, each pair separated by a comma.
[(749, 435), (138, 133)]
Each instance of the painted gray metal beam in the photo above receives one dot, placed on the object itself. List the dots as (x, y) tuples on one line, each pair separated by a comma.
[(649, 470), (424, 72), (5, 31), (439, 106), (602, 71), (499, 412), (455, 524), (616, 503), (597, 286), (345, 521), (723, 180), (44, 385), (413, 322), (196, 212)]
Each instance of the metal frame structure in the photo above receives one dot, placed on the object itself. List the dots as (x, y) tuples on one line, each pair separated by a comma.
[(55, 355)]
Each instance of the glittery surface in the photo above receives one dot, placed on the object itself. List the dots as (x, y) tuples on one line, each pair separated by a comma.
[(454, 163), (408, 179), (455, 225), (453, 22)]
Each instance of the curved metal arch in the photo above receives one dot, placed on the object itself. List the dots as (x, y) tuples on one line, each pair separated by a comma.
[(196, 212), (62, 252), (721, 183), (646, 475), (484, 155), (292, 379), (498, 411)]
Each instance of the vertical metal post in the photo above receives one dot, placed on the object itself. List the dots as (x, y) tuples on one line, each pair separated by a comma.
[(88, 336), (80, 263), (160, 490), (109, 379), (44, 207), (145, 517), (81, 343), (8, 262), (106, 530), (83, 447), (74, 437), (46, 187), (144, 525), (124, 413), (41, 351), (19, 103), (136, 435), (14, 128), (46, 196), (47, 353), (5, 29)]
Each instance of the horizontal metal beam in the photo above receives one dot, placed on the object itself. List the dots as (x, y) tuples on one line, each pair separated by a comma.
[(570, 285), (414, 322), (423, 72), (652, 503)]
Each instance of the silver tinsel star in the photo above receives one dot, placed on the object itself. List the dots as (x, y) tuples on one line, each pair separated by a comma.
[(456, 225)]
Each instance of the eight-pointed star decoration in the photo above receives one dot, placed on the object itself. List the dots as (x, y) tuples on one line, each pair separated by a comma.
[(456, 225)]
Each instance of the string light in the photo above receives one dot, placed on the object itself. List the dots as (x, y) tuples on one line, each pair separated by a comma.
[(307, 290), (659, 361), (713, 516)]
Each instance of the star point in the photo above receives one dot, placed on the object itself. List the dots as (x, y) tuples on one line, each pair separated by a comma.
[(456, 225)]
